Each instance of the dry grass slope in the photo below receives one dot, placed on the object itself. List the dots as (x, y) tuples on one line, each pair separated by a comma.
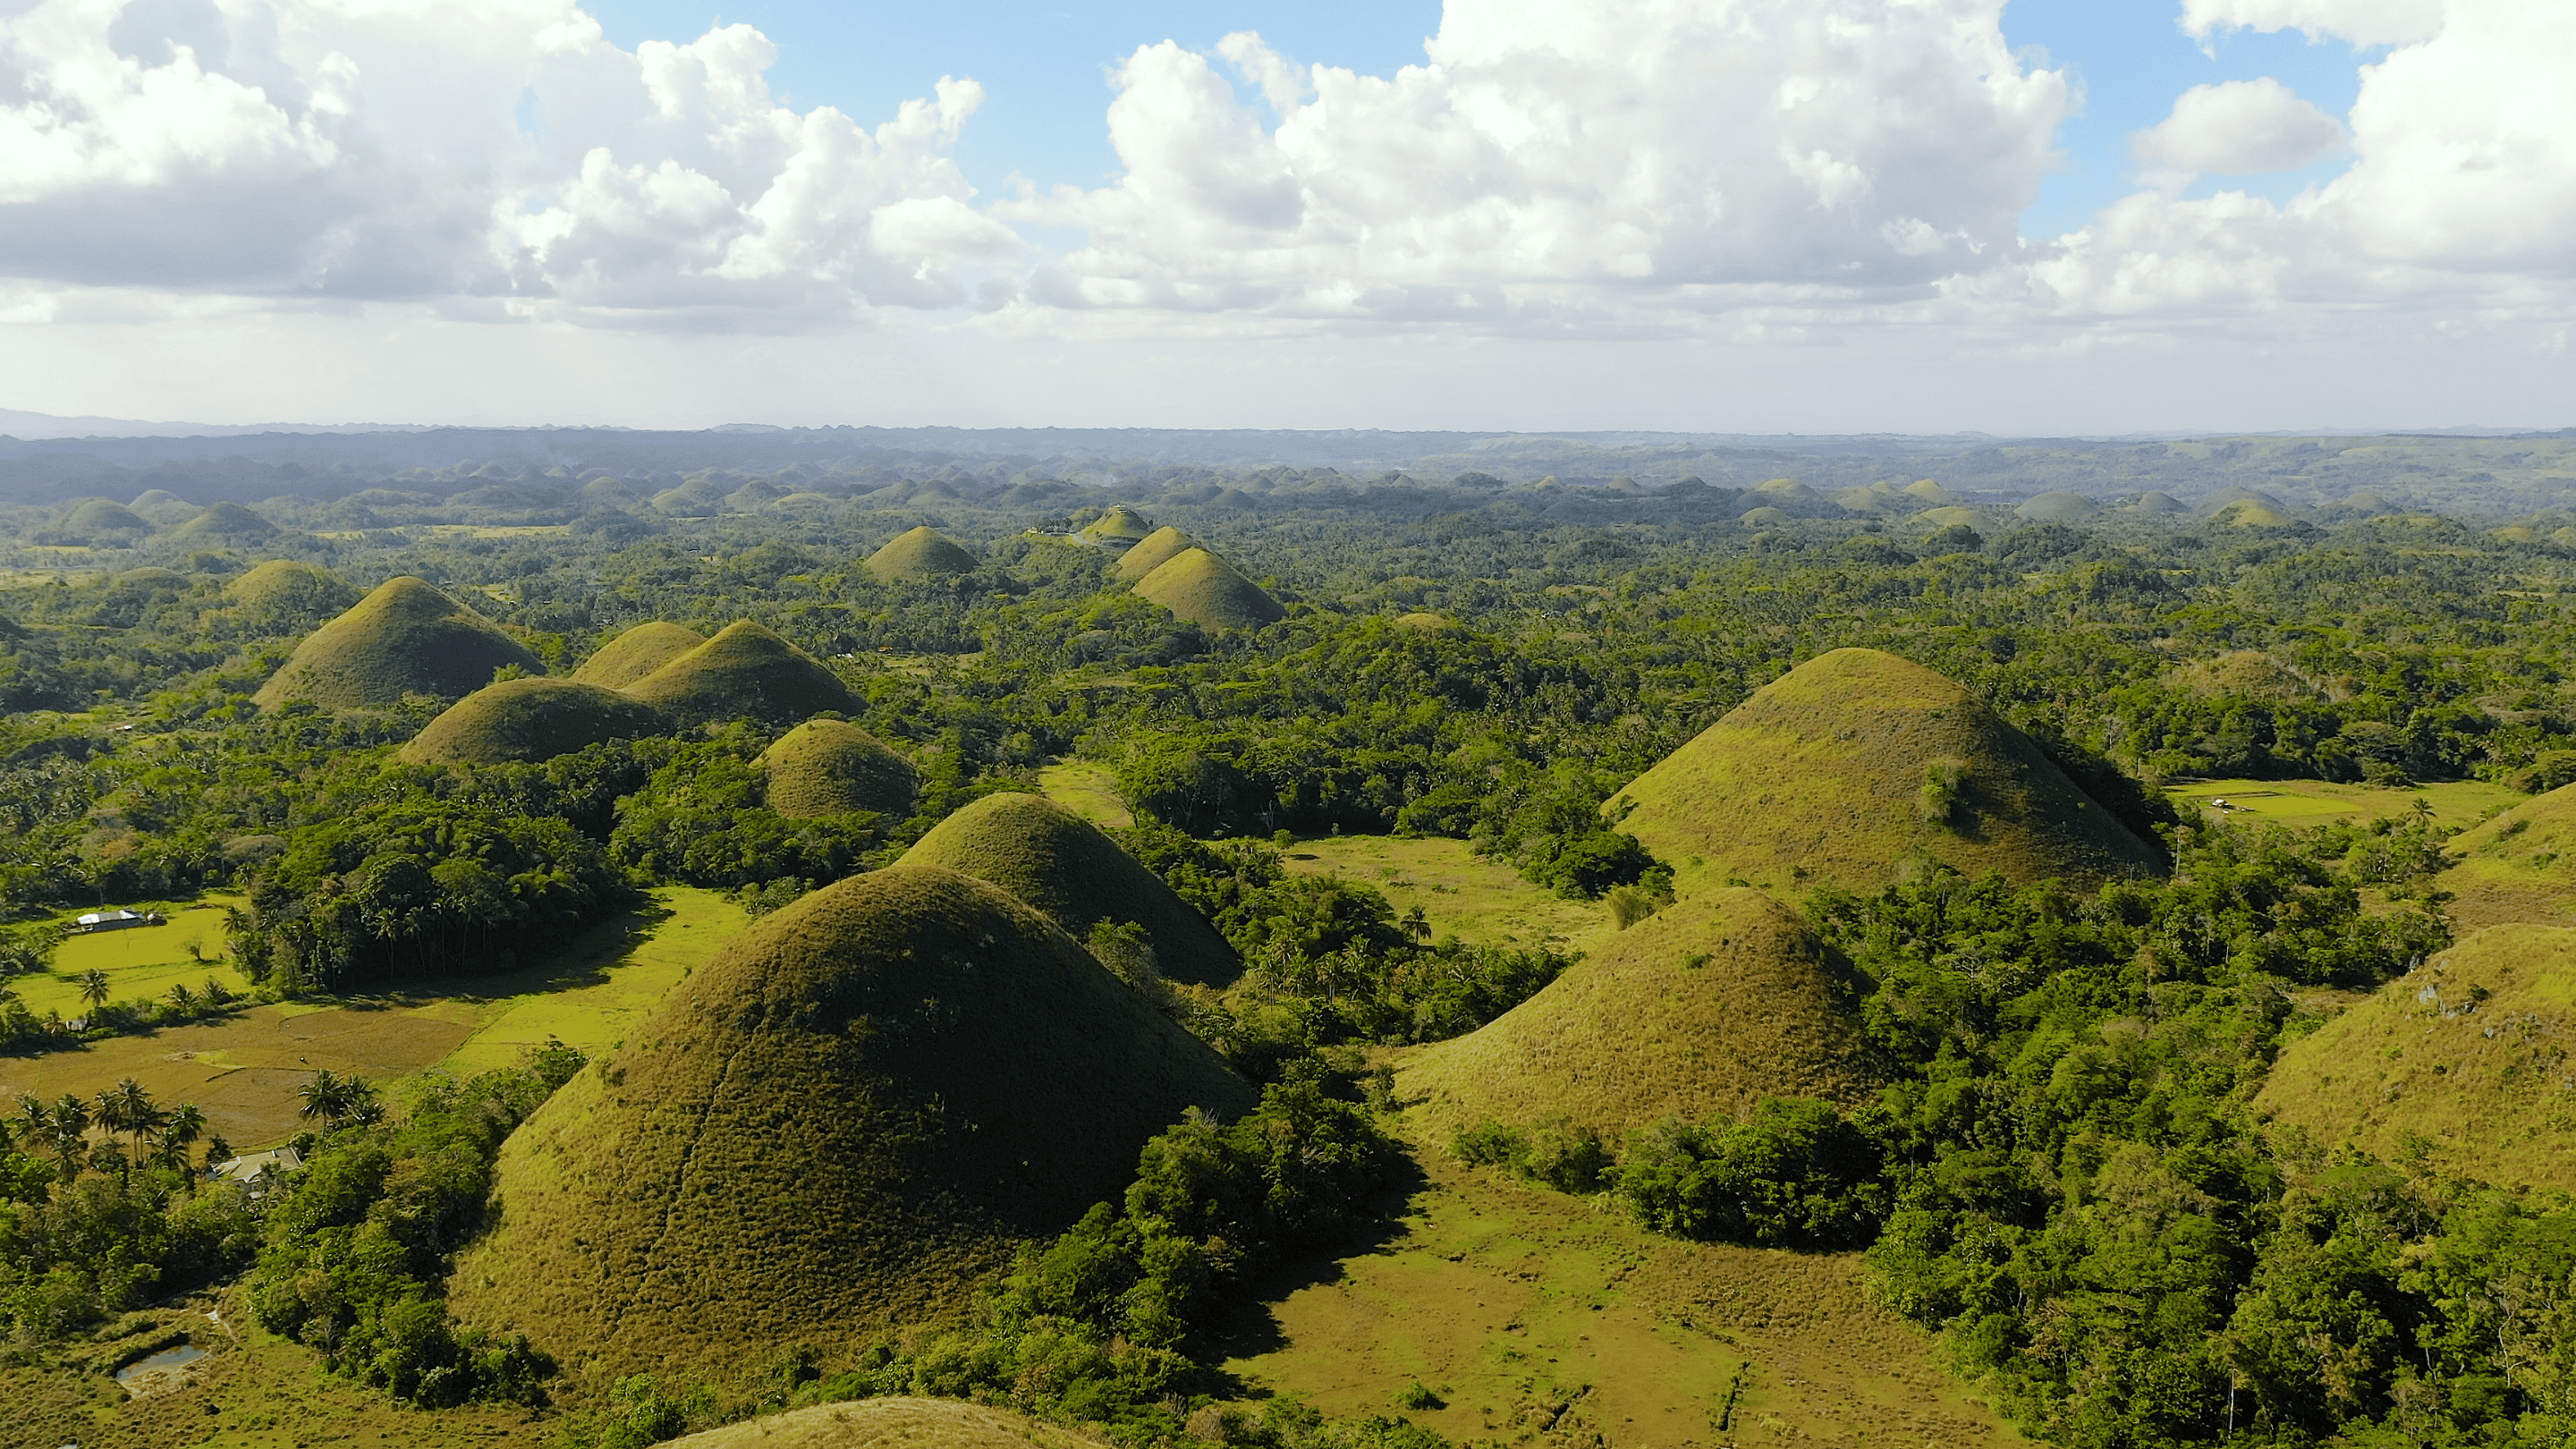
[(1057, 862), (1200, 588), (1153, 551), (745, 672), (531, 719), (2470, 1049), (636, 653), (856, 1109), (890, 1424), (1709, 1006), (2520, 866), (832, 767), (1822, 776), (404, 638), (921, 553)]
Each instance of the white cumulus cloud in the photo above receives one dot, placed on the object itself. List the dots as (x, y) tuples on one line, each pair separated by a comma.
[(2362, 22), (2238, 126), (1554, 159), (369, 149)]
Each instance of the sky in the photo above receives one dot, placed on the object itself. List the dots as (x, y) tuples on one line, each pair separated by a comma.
[(1927, 216)]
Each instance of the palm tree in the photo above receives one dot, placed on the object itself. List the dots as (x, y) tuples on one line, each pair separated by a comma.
[(181, 998), (66, 1127), (1418, 926), (94, 988), (126, 1107), (326, 1097), (180, 1130)]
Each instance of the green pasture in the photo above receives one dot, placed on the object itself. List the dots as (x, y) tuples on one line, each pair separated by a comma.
[(1086, 789), (2320, 802), (140, 961)]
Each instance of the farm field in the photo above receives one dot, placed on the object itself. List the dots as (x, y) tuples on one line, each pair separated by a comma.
[(2459, 803), (1482, 902), (244, 1071), (1088, 790), (141, 962)]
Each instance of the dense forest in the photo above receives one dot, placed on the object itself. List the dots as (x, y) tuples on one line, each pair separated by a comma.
[(2064, 1176)]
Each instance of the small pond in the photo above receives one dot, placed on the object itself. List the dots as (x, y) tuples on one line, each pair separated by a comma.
[(176, 1356)]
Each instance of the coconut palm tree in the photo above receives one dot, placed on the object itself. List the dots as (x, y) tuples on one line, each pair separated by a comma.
[(94, 988), (128, 1108), (1418, 926), (66, 1132), (181, 998), (180, 1130)]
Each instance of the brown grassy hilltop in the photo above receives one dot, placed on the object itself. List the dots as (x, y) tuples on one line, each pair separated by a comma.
[(2470, 1051), (1153, 551), (636, 653), (832, 767), (894, 1423), (1200, 588), (1056, 862), (2519, 866), (843, 1120), (404, 638), (1856, 761), (1709, 1006), (531, 719), (745, 672), (920, 553)]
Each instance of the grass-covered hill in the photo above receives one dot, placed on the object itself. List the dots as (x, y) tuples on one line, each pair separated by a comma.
[(534, 718), (2469, 1051), (162, 507), (1709, 1006), (1200, 588), (636, 653), (98, 520), (1056, 861), (1118, 523), (1854, 762), (745, 672), (832, 767), (284, 589), (2519, 866), (404, 638), (1153, 551), (891, 1423), (222, 525), (920, 553), (857, 1108)]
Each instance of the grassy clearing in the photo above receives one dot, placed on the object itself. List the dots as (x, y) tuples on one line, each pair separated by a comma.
[(1482, 902), (891, 1424), (142, 961), (611, 981), (1088, 790), (2320, 802), (1544, 1319)]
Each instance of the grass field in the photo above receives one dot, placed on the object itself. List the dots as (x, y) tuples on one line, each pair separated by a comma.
[(1088, 790), (244, 1070), (1481, 902), (2318, 802), (140, 962), (1539, 1318)]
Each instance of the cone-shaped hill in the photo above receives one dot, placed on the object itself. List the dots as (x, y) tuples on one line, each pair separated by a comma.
[(889, 1423), (832, 767), (405, 638), (1118, 523), (745, 672), (636, 653), (2465, 1050), (2062, 506), (99, 520), (222, 524), (1200, 588), (2519, 866), (861, 1104), (162, 507), (282, 593), (532, 719), (1852, 763), (1153, 551), (1708, 1006), (1057, 862), (921, 553)]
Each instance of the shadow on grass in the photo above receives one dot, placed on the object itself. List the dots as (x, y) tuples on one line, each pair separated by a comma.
[(1253, 1327)]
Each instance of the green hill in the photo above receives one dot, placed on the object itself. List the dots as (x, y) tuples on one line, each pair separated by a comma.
[(223, 525), (2466, 1050), (404, 638), (97, 520), (1949, 515), (1708, 1006), (921, 553), (860, 1106), (162, 508), (745, 672), (1854, 762), (636, 653), (531, 719), (1153, 551), (282, 595), (1118, 523), (890, 1423), (1057, 862), (2058, 507), (832, 767), (2519, 866), (1928, 493), (1200, 588)]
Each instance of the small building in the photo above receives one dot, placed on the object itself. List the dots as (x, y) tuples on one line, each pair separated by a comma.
[(116, 920), (246, 1169)]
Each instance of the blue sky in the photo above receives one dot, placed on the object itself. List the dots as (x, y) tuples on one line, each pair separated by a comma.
[(1045, 70)]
